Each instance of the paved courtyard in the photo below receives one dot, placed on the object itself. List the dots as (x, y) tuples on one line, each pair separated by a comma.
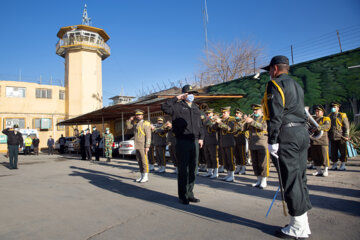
[(62, 197)]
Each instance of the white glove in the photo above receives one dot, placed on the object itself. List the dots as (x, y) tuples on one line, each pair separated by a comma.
[(273, 149)]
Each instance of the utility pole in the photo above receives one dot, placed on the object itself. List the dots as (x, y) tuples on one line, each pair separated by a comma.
[(338, 35)]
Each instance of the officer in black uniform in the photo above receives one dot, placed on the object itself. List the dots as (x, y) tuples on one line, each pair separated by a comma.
[(289, 140), (186, 123), (95, 140), (14, 141)]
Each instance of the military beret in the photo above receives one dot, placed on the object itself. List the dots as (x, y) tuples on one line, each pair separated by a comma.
[(255, 106), (225, 109), (139, 112), (277, 60)]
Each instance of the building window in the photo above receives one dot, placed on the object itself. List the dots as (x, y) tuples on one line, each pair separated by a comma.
[(43, 93), (43, 123), (17, 92), (61, 127), (62, 95), (10, 122)]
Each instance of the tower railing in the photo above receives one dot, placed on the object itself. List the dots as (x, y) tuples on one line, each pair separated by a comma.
[(82, 41)]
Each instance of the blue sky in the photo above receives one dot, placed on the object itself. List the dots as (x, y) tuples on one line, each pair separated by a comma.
[(156, 41)]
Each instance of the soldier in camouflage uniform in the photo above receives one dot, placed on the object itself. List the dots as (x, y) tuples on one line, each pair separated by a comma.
[(142, 133), (108, 142)]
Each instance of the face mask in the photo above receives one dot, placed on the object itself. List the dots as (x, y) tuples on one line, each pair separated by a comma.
[(107, 132), (256, 115), (333, 109), (94, 129), (190, 97), (237, 118)]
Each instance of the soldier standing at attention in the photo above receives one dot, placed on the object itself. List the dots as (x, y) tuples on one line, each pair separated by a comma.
[(210, 145), (108, 143), (284, 110), (88, 144), (339, 134), (82, 145), (14, 141), (186, 124), (256, 126), (227, 142), (320, 147), (142, 133), (159, 138), (240, 144)]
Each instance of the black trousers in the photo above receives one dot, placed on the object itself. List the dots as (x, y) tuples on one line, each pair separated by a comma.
[(160, 155), (187, 153), (82, 151), (96, 152), (13, 155), (293, 151), (62, 149), (88, 152), (336, 146)]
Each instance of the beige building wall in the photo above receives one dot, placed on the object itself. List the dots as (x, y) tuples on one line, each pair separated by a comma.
[(83, 80), (30, 108)]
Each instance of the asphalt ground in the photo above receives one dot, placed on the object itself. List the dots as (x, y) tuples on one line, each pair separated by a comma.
[(62, 197)]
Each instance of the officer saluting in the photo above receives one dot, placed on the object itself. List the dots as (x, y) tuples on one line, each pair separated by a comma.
[(288, 139), (187, 127), (142, 133)]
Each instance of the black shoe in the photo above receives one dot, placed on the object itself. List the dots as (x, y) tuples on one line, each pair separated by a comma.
[(184, 201), (194, 200), (282, 235)]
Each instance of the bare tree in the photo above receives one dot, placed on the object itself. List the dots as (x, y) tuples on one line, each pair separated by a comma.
[(227, 62)]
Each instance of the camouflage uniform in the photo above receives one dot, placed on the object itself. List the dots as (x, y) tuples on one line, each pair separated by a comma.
[(108, 142)]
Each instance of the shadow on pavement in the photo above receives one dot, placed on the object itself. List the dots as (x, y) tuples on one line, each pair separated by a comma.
[(112, 183)]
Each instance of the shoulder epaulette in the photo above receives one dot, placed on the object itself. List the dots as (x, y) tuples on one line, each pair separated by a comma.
[(343, 115), (232, 119), (326, 119)]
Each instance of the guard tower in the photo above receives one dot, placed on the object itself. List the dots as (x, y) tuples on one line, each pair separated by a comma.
[(83, 47)]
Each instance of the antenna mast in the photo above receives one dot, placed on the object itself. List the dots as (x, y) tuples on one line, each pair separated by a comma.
[(206, 19), (85, 19)]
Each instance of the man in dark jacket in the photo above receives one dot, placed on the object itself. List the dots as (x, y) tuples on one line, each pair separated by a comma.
[(14, 141), (62, 144), (87, 144), (95, 139), (187, 127), (35, 143), (50, 144), (82, 146)]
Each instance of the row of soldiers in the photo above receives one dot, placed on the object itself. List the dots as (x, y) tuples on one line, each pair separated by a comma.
[(226, 138)]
